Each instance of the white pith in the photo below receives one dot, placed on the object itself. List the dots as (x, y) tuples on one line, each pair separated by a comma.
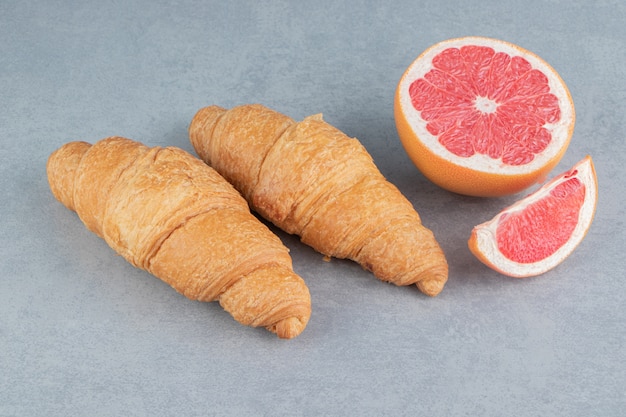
[(486, 232), (486, 105), (559, 131)]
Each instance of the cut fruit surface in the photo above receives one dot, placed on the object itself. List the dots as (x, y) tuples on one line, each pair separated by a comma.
[(539, 231), (483, 117)]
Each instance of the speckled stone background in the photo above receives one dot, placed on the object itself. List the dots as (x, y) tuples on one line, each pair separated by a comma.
[(84, 333)]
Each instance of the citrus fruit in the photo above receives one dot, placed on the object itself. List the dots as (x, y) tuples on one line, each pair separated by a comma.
[(483, 117), (539, 231)]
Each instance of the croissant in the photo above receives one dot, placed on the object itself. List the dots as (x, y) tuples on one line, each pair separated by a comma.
[(168, 213), (312, 180)]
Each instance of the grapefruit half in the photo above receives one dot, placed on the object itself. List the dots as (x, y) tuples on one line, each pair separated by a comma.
[(483, 117), (539, 231)]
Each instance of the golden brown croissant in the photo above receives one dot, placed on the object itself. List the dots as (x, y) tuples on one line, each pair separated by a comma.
[(168, 213), (310, 179)]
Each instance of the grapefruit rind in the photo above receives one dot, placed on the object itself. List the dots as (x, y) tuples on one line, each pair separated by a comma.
[(495, 177), (483, 242)]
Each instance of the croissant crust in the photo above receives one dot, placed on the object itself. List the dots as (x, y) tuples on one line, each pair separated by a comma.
[(310, 179), (170, 214)]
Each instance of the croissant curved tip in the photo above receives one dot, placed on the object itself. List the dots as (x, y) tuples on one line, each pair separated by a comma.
[(433, 284), (205, 118), (289, 327), (430, 287), (61, 170)]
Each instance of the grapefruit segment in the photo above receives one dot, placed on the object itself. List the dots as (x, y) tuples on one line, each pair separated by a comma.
[(539, 231), (483, 117)]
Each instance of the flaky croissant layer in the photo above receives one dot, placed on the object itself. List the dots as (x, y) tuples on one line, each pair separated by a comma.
[(310, 179), (170, 214)]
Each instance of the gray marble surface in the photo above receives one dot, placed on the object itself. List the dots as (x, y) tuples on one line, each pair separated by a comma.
[(82, 332)]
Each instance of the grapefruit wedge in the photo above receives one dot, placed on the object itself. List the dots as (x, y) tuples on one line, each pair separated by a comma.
[(483, 117), (539, 231)]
